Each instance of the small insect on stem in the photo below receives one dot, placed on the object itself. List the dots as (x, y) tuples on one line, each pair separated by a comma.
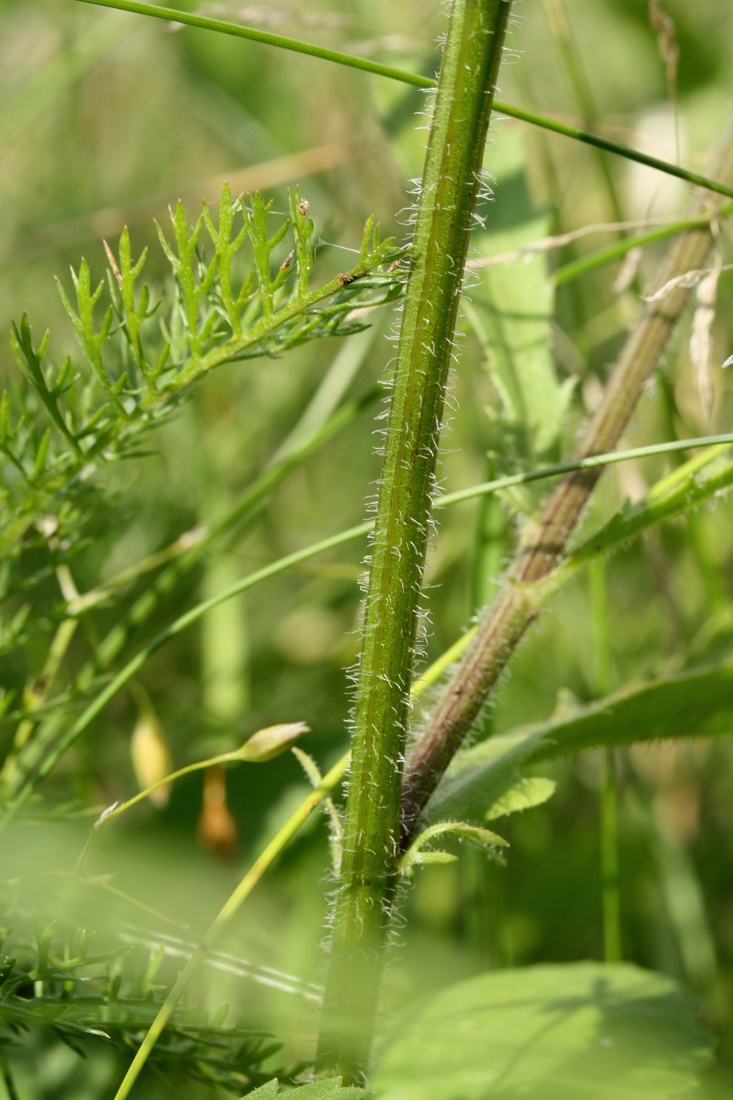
[(345, 279), (304, 206), (113, 263), (287, 261)]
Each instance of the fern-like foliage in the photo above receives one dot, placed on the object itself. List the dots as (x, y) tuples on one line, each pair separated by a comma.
[(241, 289), (57, 976)]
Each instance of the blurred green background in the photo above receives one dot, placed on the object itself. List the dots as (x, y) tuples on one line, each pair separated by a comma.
[(105, 119)]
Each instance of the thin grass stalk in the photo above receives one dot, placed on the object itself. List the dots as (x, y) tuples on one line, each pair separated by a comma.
[(610, 887), (445, 210), (542, 544), (610, 884), (251, 878), (367, 65), (582, 94)]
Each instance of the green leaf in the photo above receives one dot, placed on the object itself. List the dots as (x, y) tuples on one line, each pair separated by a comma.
[(489, 842), (524, 795), (480, 778), (691, 704), (30, 361), (145, 357), (41, 455), (576, 1032), (433, 857), (330, 1088), (264, 1092)]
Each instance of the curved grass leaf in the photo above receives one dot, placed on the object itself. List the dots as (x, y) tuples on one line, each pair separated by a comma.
[(692, 704)]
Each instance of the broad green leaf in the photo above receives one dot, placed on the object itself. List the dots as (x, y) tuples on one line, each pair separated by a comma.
[(582, 1031), (330, 1088), (693, 704), (480, 778), (526, 793), (488, 775)]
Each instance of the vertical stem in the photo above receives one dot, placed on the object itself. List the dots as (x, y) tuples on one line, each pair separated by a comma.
[(610, 898), (371, 844), (558, 20)]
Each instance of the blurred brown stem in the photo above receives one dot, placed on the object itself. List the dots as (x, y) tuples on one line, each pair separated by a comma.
[(542, 543)]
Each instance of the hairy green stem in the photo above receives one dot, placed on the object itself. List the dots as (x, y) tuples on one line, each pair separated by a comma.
[(541, 544), (675, 495), (371, 842)]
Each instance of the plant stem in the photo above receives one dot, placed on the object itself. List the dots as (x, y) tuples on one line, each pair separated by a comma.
[(574, 269), (371, 844), (610, 889), (267, 38), (541, 544), (610, 892)]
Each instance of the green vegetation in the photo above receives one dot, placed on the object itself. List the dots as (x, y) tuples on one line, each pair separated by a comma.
[(185, 465)]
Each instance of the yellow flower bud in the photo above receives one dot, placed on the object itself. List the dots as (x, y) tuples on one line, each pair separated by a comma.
[(272, 741), (151, 758)]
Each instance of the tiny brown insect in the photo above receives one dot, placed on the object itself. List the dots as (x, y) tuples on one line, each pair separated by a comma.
[(113, 263), (304, 206)]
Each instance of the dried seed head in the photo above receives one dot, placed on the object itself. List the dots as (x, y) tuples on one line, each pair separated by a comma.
[(217, 829)]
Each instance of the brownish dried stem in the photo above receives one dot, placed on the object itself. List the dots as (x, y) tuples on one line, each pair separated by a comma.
[(541, 544)]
